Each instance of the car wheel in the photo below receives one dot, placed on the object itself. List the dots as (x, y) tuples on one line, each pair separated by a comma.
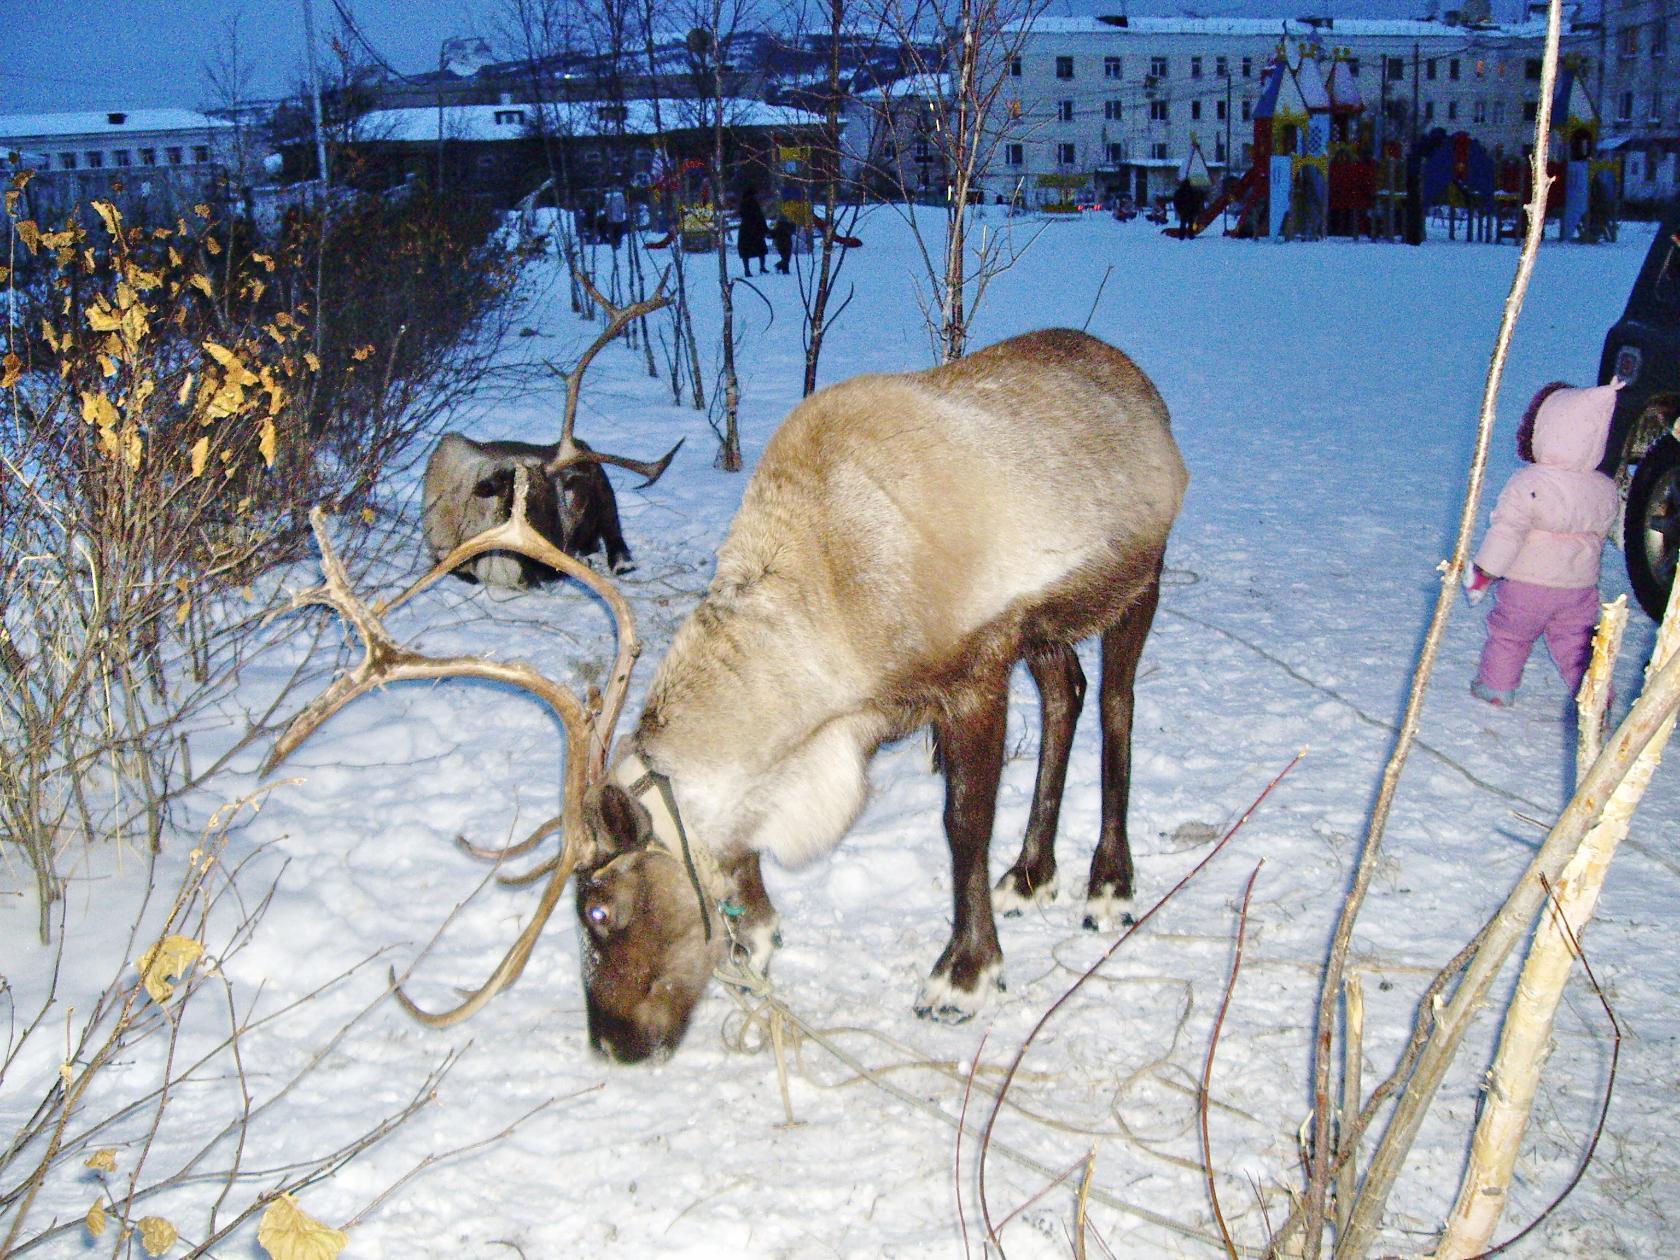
[(1651, 529)]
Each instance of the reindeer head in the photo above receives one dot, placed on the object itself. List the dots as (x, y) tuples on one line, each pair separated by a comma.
[(651, 933)]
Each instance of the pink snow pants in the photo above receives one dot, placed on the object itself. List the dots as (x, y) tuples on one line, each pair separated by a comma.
[(1522, 612)]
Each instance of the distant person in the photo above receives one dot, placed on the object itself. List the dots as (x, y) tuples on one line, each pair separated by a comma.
[(751, 238), (615, 214), (1542, 548), (783, 235), (1188, 199)]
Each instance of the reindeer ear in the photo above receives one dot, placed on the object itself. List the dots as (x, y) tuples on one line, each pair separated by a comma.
[(620, 824), (496, 484)]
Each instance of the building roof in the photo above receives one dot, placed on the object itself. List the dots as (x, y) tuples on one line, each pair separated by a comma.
[(1294, 28), (574, 118), (107, 123), (934, 87)]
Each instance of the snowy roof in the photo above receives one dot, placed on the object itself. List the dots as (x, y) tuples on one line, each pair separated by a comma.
[(575, 118), (1344, 90), (108, 123), (932, 86), (1294, 28), (1310, 80)]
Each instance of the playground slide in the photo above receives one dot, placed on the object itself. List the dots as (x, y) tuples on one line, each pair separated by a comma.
[(1213, 209)]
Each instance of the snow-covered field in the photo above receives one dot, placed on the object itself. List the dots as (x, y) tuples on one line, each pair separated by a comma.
[(1325, 398)]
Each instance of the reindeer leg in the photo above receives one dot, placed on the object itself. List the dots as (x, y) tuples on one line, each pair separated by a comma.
[(1111, 866), (757, 929), (971, 743), (1061, 692)]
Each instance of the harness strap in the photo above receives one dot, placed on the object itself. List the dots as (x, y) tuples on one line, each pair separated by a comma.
[(652, 790)]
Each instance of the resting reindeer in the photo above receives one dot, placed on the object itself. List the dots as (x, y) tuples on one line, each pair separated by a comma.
[(468, 488), (905, 541)]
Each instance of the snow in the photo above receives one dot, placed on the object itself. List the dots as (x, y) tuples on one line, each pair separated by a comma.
[(101, 122), (1325, 398)]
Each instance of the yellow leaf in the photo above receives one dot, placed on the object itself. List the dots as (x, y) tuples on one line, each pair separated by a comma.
[(142, 395), (156, 1235), (182, 612), (201, 282), (5, 274), (95, 1220), (174, 257), (265, 260), (249, 594), (166, 962), (185, 391), (101, 318), (11, 367), (236, 369), (213, 245), (361, 353), (142, 279), (50, 336), (287, 1232), (202, 210), (314, 363), (266, 445), (28, 233), (111, 215), (107, 365), (200, 455), (126, 296), (97, 409), (135, 325), (104, 1159), (368, 517), (132, 446)]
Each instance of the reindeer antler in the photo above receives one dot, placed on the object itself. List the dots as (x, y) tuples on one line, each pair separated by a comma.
[(567, 451), (588, 726)]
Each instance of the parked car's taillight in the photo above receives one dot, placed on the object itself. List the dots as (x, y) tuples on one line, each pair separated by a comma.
[(1628, 360)]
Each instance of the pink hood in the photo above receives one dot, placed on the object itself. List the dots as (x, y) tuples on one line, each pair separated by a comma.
[(1551, 519)]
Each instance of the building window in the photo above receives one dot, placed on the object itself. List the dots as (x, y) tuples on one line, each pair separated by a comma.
[(1195, 110), (66, 161), (1531, 111), (1222, 67), (1195, 67), (510, 117), (889, 152), (1624, 109), (119, 157), (1065, 154), (1499, 113), (1429, 69), (1158, 67), (1015, 67), (95, 159), (1452, 69), (1248, 67), (921, 150), (1627, 41), (1219, 148), (1480, 113), (1396, 69), (1064, 111), (1353, 67), (148, 157), (1014, 155), (1452, 111), (1116, 153), (1659, 40), (201, 153), (1429, 111), (1531, 69), (1219, 110), (1247, 109), (1064, 67), (1111, 67), (1158, 150), (1111, 111), (1157, 111), (173, 154), (1656, 108)]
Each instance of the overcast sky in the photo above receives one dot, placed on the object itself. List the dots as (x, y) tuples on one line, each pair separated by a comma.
[(116, 54)]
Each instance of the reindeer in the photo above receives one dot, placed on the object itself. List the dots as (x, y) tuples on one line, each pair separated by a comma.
[(468, 486), (905, 541)]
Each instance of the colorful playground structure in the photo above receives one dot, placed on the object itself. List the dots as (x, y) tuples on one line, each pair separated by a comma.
[(1316, 172)]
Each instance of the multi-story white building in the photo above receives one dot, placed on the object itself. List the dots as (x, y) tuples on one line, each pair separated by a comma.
[(1121, 102), (1641, 108)]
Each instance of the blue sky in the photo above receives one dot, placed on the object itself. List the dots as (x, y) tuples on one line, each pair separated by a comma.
[(64, 54)]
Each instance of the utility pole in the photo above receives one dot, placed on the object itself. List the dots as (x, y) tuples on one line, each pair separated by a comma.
[(315, 90), (1230, 155)]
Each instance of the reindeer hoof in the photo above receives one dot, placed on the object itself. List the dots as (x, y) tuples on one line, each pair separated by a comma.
[(1015, 894), (1106, 912), (944, 1003), (758, 942)]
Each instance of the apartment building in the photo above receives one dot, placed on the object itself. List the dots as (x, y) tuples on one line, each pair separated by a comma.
[(1641, 90), (1120, 102)]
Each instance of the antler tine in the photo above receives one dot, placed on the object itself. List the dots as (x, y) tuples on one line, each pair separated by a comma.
[(651, 469), (618, 317)]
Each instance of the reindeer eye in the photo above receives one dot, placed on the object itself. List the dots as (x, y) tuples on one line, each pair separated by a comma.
[(598, 915)]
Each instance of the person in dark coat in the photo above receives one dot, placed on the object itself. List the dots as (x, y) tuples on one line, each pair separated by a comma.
[(1188, 200), (783, 235), (751, 238)]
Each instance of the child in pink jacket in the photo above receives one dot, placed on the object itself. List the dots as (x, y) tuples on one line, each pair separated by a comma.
[(1544, 542)]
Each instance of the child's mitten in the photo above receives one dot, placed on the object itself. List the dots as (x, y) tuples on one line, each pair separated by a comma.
[(1476, 583)]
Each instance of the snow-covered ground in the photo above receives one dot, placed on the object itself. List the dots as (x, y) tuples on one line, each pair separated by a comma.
[(1325, 398)]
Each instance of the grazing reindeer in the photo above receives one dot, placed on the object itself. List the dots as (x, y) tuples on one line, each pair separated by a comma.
[(905, 541)]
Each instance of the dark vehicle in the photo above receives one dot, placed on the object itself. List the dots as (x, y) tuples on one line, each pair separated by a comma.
[(1643, 453)]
